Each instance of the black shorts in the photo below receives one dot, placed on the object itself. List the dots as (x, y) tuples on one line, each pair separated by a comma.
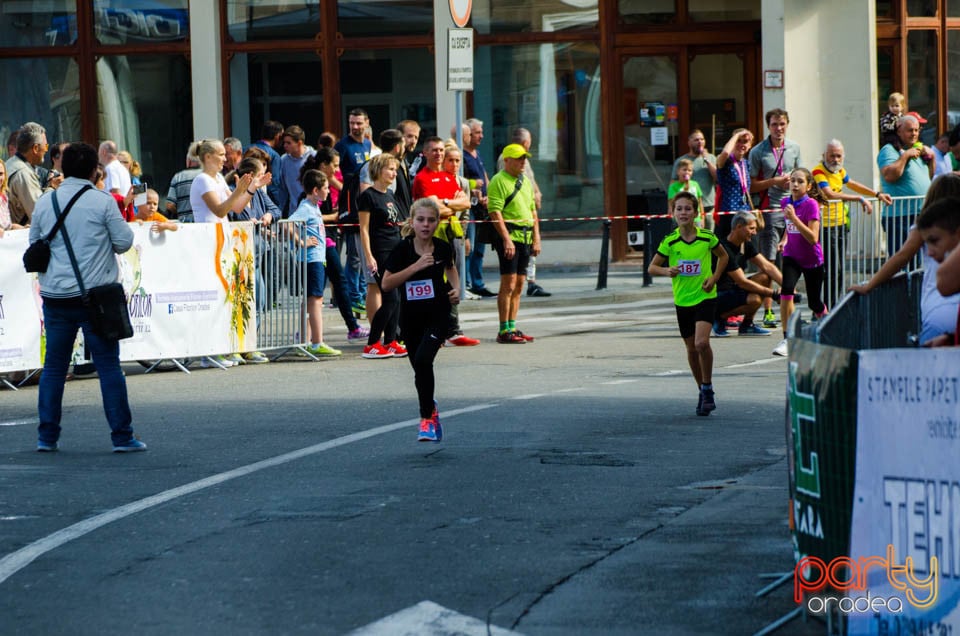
[(688, 317), (730, 299), (517, 264)]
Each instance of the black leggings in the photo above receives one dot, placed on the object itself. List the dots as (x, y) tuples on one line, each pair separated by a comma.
[(384, 322), (813, 277), (423, 342)]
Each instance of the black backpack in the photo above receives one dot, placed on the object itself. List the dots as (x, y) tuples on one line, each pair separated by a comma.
[(347, 204)]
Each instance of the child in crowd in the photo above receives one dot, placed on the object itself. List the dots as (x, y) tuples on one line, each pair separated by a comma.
[(802, 253), (685, 183), (422, 268), (312, 246), (938, 313), (149, 213), (685, 256), (896, 107)]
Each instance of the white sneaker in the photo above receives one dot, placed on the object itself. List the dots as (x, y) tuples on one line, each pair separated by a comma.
[(236, 359), (209, 362), (781, 349)]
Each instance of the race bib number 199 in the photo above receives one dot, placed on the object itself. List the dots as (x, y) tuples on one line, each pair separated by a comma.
[(419, 289), (689, 268)]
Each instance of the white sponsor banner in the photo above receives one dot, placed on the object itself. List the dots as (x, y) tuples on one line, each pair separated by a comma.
[(905, 535), (21, 318), (191, 294)]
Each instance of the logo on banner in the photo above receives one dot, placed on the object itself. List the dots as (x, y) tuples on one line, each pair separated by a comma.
[(843, 574)]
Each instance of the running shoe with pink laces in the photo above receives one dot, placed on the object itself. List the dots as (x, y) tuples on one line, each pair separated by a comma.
[(427, 432), (435, 418), (376, 351)]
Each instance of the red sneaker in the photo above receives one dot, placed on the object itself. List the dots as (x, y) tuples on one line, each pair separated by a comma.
[(510, 337), (524, 336), (376, 351), (462, 341), (397, 349)]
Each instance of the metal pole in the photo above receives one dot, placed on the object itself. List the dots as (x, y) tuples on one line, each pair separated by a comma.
[(461, 253), (647, 252), (604, 255)]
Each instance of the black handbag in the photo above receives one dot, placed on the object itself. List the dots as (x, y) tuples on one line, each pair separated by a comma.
[(106, 305), (37, 256)]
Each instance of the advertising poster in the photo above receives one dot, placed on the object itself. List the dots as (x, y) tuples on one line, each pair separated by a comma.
[(904, 570), (21, 317)]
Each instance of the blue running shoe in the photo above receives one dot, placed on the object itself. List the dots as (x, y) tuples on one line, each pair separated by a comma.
[(720, 329), (437, 428), (47, 447), (427, 432), (133, 445), (752, 330)]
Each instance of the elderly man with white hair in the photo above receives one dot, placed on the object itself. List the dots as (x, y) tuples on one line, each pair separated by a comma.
[(906, 167), (831, 177)]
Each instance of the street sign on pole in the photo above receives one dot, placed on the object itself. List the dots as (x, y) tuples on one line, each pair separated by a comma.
[(460, 59)]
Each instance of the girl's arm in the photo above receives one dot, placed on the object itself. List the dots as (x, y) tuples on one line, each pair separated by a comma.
[(453, 277), (658, 268), (393, 280), (235, 202), (722, 260), (364, 216), (948, 274), (809, 230)]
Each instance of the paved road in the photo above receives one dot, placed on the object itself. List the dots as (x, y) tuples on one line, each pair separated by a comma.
[(575, 492)]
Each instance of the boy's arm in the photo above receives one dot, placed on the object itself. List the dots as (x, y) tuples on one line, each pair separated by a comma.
[(893, 264), (948, 274)]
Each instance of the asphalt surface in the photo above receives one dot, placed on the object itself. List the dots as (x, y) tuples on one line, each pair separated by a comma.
[(575, 491)]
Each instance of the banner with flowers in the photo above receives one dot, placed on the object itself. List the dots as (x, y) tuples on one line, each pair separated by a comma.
[(21, 317)]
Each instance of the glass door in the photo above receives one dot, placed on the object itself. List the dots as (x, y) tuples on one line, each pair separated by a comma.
[(650, 127)]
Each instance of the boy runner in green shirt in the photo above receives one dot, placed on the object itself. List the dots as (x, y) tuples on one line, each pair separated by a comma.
[(685, 256)]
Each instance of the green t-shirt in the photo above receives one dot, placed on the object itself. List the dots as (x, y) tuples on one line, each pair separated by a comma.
[(694, 260), (677, 186), (521, 209)]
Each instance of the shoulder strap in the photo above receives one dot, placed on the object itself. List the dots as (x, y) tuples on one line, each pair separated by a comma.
[(66, 237), (516, 189)]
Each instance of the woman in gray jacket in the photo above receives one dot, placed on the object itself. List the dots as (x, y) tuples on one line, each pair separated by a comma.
[(97, 232)]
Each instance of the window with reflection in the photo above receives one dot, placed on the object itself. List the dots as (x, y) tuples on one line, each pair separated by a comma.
[(373, 18), (921, 73), (284, 87), (136, 92), (38, 23), (538, 16), (57, 107), (723, 10), (649, 91), (647, 11), (135, 21), (953, 8), (953, 79), (922, 8), (253, 20), (553, 90), (391, 85), (717, 101)]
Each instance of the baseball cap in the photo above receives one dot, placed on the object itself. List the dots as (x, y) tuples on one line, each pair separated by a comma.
[(917, 116), (515, 151)]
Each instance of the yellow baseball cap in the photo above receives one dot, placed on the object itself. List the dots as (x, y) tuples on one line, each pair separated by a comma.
[(515, 151)]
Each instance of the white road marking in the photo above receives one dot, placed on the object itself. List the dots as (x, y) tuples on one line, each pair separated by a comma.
[(626, 381), (528, 396), (426, 618), (754, 363), (16, 561), (571, 390), (19, 423), (667, 373)]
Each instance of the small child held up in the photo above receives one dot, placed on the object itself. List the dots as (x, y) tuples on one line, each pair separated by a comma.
[(149, 213), (685, 183), (896, 108)]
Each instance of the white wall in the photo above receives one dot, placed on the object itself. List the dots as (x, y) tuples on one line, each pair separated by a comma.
[(827, 50), (205, 69)]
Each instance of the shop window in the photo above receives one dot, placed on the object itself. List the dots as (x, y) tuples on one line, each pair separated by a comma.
[(552, 90), (38, 23), (953, 8), (253, 20), (953, 79), (650, 118), (284, 87), (921, 74), (378, 18), (135, 21), (922, 8), (136, 92), (717, 102), (723, 10), (885, 65), (539, 16), (56, 107), (647, 11), (391, 85)]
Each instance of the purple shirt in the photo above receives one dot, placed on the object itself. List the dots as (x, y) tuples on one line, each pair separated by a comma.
[(808, 256)]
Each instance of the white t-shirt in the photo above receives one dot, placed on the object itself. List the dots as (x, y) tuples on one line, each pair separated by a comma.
[(117, 178), (202, 184)]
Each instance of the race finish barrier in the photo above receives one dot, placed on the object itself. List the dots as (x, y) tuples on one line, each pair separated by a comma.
[(192, 293), (873, 439)]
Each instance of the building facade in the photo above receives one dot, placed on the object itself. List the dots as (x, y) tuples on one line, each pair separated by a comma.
[(610, 89)]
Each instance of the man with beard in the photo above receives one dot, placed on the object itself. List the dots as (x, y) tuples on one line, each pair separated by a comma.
[(831, 177)]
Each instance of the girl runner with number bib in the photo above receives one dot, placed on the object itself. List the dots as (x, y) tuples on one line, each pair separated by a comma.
[(422, 268), (685, 255)]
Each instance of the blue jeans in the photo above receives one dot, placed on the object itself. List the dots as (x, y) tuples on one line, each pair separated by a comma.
[(61, 321), (356, 283), (475, 259)]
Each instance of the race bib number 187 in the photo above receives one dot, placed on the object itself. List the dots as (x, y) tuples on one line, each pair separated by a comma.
[(689, 268), (419, 289)]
